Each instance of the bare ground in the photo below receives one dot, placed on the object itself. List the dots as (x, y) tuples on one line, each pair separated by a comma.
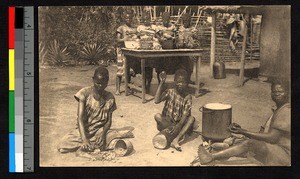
[(251, 107)]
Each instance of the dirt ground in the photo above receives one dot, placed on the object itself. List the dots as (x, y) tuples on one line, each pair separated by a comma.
[(251, 106)]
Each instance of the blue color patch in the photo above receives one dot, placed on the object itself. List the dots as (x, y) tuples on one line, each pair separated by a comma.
[(12, 161)]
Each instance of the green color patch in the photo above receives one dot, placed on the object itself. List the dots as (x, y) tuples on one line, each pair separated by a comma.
[(11, 111)]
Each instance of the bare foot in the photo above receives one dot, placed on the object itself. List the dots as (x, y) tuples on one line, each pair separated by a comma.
[(176, 146), (117, 93), (63, 151), (204, 156), (126, 134)]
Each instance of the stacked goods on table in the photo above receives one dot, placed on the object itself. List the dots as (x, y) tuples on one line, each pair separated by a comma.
[(166, 38), (132, 42), (158, 38), (185, 38), (146, 42)]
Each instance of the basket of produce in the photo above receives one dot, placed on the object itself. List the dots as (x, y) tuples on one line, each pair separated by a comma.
[(167, 44), (146, 45), (132, 44)]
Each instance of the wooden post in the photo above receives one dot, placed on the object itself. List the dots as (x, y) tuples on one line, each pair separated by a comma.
[(242, 65), (212, 43), (151, 15), (154, 12), (126, 75), (198, 65), (251, 38), (143, 62)]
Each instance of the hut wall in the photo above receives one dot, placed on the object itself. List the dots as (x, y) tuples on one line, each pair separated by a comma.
[(276, 42)]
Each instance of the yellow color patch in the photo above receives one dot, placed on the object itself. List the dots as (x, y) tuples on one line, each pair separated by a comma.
[(11, 64)]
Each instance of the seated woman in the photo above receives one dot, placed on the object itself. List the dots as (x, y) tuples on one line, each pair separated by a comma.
[(272, 145), (95, 108)]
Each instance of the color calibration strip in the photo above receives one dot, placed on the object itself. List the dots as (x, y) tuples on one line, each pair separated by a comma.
[(11, 64), (21, 89)]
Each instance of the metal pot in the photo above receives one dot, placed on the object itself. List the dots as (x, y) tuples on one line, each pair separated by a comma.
[(216, 118)]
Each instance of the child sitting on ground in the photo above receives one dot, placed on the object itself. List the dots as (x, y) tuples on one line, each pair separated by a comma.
[(177, 108), (95, 108)]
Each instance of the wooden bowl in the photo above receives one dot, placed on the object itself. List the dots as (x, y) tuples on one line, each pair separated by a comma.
[(123, 147)]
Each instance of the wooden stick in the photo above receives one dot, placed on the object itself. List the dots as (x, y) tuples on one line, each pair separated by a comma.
[(150, 13), (154, 12), (242, 67), (213, 44), (184, 10), (198, 19), (251, 38), (137, 13)]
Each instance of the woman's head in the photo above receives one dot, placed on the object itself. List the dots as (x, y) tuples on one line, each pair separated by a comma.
[(280, 90), (100, 79)]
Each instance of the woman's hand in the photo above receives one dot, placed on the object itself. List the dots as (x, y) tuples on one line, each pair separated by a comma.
[(87, 146), (235, 128)]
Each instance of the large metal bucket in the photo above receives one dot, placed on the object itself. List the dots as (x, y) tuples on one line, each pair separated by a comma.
[(216, 118)]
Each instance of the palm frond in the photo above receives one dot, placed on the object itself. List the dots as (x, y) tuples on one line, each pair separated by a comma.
[(56, 55), (93, 52)]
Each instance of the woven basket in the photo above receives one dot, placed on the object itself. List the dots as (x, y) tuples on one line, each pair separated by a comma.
[(132, 44), (146, 45), (167, 44)]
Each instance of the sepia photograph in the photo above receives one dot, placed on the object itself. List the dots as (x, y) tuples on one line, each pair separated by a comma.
[(152, 86)]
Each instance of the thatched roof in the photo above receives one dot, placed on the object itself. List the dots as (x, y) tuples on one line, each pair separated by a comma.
[(234, 9)]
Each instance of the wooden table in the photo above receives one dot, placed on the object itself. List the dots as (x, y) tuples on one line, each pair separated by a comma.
[(143, 55)]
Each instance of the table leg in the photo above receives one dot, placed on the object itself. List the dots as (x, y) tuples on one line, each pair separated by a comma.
[(143, 61), (125, 75), (198, 64)]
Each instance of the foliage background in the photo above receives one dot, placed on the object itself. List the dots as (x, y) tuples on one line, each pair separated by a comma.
[(76, 28)]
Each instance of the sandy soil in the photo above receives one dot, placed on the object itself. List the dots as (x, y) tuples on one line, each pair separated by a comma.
[(251, 107)]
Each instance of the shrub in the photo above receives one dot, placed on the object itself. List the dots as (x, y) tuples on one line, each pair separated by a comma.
[(93, 52), (56, 55), (42, 53)]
